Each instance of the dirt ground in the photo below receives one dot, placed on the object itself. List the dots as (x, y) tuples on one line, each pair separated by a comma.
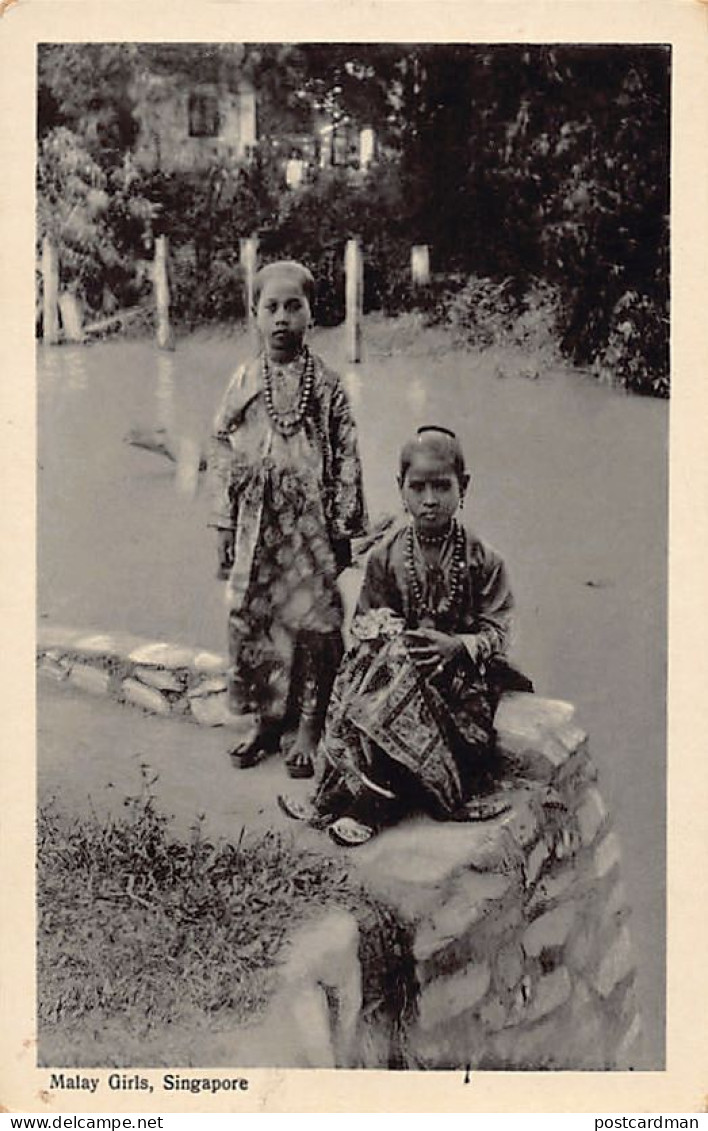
[(569, 484)]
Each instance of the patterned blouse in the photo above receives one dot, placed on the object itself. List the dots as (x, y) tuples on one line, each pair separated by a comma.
[(483, 617), (244, 437)]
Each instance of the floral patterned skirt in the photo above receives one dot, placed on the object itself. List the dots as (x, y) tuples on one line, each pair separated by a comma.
[(396, 740), (286, 615)]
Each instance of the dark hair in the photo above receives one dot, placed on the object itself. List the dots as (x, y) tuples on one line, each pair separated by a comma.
[(289, 267), (439, 440)]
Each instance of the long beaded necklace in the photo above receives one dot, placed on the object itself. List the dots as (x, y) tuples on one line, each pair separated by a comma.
[(450, 600), (288, 422)]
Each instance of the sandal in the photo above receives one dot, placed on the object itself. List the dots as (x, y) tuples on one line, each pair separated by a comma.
[(297, 810), (484, 809), (300, 768), (350, 833), (303, 811), (263, 744)]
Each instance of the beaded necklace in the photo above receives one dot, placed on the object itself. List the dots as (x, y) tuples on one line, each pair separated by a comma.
[(288, 422), (415, 590)]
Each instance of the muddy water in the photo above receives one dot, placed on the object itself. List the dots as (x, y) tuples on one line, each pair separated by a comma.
[(569, 483)]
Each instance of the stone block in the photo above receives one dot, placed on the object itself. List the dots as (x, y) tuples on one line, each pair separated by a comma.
[(554, 886), (503, 922), (210, 686), (158, 677), (551, 992), (591, 814), (454, 1044), (582, 948), (607, 855), (322, 966), (574, 777), (523, 819), (149, 698), (211, 710), (616, 965), (627, 1052), (621, 1005), (447, 997), (162, 655), (55, 669), (96, 644), (508, 967), (423, 851), (536, 735), (492, 1015), (600, 914), (549, 930), (525, 1050), (88, 678), (616, 904), (473, 897), (537, 857), (210, 663), (566, 843)]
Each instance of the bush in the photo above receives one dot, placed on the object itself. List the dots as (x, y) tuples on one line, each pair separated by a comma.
[(486, 312), (637, 352)]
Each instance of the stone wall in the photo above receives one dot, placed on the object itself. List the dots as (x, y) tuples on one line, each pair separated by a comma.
[(158, 677), (518, 925)]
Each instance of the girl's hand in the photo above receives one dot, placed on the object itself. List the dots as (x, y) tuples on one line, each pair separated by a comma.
[(432, 650), (225, 550)]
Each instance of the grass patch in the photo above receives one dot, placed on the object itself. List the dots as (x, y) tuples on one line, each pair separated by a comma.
[(139, 930)]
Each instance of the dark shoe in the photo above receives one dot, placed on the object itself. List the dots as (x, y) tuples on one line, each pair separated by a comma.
[(300, 769), (265, 742)]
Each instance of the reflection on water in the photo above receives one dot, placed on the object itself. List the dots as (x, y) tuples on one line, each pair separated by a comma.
[(352, 381), (416, 395), (65, 366), (181, 439), (165, 417)]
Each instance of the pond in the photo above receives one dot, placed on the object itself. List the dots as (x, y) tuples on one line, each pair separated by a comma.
[(569, 484)]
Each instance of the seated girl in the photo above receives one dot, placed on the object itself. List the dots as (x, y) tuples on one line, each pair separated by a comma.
[(409, 724)]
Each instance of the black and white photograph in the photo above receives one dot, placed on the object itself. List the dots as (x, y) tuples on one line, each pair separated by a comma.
[(352, 409), (353, 379)]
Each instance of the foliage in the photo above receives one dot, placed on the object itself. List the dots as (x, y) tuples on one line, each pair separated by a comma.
[(97, 219), (516, 162), (486, 313), (636, 353)]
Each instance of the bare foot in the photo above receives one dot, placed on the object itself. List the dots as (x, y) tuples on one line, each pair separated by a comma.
[(300, 762)]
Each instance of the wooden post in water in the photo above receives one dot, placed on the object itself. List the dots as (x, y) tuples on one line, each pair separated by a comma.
[(354, 291), (50, 283), (72, 316), (162, 295), (248, 259), (420, 264)]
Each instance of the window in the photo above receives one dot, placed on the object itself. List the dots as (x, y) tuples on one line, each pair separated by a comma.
[(203, 115)]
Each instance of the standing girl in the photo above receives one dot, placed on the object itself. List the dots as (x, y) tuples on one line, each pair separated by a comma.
[(288, 501)]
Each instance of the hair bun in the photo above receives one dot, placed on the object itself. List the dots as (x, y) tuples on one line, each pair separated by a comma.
[(436, 428)]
